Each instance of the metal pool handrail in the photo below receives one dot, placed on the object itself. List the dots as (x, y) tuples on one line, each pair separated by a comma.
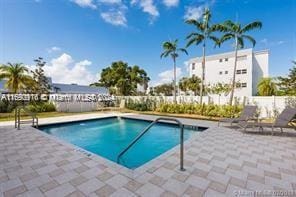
[(148, 127)]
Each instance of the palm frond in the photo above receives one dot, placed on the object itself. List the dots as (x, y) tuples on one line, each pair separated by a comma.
[(241, 43), (199, 25), (251, 26), (193, 34), (195, 40), (226, 37), (216, 40), (183, 50), (249, 38)]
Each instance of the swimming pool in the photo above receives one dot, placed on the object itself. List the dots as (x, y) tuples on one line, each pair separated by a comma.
[(107, 137)]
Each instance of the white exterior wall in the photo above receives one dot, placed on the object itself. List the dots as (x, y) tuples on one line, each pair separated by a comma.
[(256, 64), (268, 106)]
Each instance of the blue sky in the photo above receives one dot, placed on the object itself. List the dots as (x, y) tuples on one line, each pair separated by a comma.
[(80, 37)]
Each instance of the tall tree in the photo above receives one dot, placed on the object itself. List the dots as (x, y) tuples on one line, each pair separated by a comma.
[(42, 83), (190, 84), (204, 32), (123, 79), (165, 89), (266, 87), (16, 76), (171, 49), (235, 31), (220, 88), (287, 85)]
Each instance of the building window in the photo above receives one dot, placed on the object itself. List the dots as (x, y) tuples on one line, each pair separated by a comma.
[(244, 71), (226, 59), (244, 85), (226, 72), (193, 66), (220, 73), (220, 60), (238, 72), (238, 85)]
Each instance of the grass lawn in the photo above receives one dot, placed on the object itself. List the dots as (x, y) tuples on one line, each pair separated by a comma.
[(10, 116)]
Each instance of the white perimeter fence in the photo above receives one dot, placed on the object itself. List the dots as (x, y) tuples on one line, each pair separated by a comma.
[(269, 106)]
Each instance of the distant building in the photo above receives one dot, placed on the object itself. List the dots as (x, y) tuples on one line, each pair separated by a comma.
[(251, 66), (77, 89), (67, 88)]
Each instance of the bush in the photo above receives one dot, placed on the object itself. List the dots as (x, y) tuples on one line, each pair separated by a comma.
[(142, 105), (41, 107), (6, 106), (206, 110)]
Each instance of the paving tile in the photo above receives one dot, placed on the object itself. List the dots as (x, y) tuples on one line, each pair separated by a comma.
[(78, 180), (76, 194), (66, 177), (104, 176), (157, 180), (10, 184), (15, 191), (105, 191), (168, 194), (32, 193), (122, 192), (149, 190), (175, 187), (133, 185), (218, 186), (164, 173), (194, 192), (90, 186), (118, 181), (48, 186), (198, 182), (62, 190)]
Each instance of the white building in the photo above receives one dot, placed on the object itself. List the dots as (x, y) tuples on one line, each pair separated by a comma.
[(251, 66)]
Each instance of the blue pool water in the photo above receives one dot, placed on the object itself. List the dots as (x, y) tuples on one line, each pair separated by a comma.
[(108, 137)]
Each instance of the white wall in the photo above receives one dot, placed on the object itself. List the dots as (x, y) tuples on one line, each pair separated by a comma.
[(256, 64), (269, 106)]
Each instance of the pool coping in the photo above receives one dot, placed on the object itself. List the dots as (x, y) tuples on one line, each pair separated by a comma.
[(132, 173)]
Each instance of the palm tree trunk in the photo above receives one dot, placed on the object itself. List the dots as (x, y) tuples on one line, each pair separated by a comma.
[(203, 73), (234, 72), (175, 79)]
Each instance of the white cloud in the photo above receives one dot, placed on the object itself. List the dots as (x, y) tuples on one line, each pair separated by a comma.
[(171, 3), (193, 12), (167, 76), (85, 3), (115, 17), (62, 70), (110, 1), (196, 12), (268, 43), (147, 6), (53, 49)]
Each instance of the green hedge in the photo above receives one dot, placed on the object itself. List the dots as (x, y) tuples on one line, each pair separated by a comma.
[(210, 110), (41, 107)]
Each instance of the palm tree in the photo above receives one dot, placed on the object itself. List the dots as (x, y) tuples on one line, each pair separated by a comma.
[(204, 33), (16, 76), (266, 87), (237, 32), (171, 49)]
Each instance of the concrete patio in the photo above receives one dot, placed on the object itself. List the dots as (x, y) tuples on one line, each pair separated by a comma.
[(219, 162)]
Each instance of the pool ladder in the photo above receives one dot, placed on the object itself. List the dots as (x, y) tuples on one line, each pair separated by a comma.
[(17, 117), (148, 127)]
